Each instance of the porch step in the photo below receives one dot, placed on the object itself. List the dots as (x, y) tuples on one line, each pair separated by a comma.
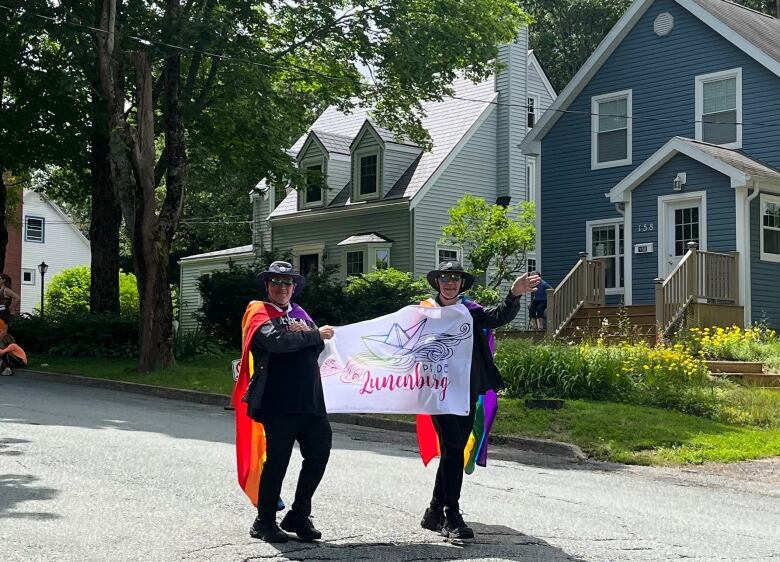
[(734, 367), (589, 323), (762, 380)]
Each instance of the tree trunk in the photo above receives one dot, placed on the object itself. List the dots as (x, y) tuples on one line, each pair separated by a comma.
[(3, 193), (106, 218), (3, 221), (132, 165)]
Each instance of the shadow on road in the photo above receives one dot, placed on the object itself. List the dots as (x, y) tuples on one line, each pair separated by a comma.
[(491, 542), (19, 488)]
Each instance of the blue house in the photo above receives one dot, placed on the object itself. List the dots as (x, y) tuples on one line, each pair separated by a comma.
[(661, 161)]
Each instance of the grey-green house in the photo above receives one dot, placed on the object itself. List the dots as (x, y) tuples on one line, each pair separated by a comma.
[(387, 199)]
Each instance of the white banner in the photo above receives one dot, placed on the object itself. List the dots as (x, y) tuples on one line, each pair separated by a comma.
[(414, 361)]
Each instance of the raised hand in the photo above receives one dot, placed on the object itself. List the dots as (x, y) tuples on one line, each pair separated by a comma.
[(525, 284)]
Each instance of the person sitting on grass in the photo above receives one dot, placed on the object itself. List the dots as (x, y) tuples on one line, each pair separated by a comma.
[(11, 355)]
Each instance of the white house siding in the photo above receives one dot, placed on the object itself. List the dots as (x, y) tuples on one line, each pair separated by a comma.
[(390, 222), (397, 160), (63, 247), (189, 295), (512, 118), (339, 172), (261, 228), (472, 171)]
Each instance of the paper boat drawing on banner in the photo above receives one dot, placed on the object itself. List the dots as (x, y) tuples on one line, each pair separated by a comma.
[(397, 342)]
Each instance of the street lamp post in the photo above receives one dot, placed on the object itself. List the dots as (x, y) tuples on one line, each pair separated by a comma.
[(42, 269)]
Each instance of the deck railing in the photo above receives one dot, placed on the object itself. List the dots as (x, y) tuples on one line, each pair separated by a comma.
[(710, 277), (583, 286)]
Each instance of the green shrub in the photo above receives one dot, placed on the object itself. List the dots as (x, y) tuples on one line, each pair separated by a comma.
[(383, 291), (195, 343), (225, 295), (68, 292), (484, 295), (78, 334)]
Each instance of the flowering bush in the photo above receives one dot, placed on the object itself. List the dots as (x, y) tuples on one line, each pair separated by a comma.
[(734, 343), (661, 376)]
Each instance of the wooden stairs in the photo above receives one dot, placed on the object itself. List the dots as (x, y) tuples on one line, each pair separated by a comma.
[(747, 373), (612, 323)]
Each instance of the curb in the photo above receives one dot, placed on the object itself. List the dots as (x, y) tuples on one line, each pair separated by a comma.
[(541, 446)]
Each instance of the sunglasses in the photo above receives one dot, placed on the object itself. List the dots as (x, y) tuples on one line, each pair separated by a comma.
[(282, 281), (446, 277)]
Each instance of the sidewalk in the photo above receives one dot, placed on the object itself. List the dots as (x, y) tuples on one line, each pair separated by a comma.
[(539, 446)]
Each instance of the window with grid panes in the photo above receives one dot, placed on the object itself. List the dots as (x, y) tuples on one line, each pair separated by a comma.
[(313, 184), (770, 228), (355, 263), (608, 245), (719, 111), (368, 172), (686, 229)]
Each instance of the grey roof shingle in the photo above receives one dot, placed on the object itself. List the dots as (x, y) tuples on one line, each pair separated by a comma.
[(736, 158), (761, 30), (446, 121), (333, 143)]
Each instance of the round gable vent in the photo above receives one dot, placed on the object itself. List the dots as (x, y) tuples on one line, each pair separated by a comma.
[(663, 24)]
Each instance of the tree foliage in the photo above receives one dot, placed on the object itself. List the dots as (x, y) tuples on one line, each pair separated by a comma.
[(68, 292), (496, 239), (564, 33)]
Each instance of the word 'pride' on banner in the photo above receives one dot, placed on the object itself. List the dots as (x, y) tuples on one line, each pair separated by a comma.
[(414, 361)]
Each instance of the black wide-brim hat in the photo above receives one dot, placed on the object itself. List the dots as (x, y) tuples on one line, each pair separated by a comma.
[(451, 267), (286, 269)]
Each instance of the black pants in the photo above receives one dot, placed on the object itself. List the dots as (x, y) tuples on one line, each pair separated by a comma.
[(11, 360), (453, 433), (281, 432)]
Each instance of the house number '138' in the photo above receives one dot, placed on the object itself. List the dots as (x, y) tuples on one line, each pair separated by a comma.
[(645, 227)]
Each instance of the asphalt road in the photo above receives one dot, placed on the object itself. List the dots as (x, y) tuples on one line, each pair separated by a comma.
[(91, 474)]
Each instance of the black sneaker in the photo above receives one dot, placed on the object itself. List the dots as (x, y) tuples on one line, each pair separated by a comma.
[(268, 531), (455, 528), (301, 525), (433, 520)]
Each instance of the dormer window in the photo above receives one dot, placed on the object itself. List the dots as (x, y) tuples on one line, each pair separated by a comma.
[(368, 174), (312, 193)]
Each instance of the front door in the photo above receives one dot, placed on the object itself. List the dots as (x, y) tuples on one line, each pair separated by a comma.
[(684, 222)]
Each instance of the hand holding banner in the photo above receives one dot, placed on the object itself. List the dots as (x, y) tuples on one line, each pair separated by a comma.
[(414, 361)]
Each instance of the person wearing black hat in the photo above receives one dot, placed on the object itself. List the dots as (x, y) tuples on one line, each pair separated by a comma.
[(450, 280), (285, 395)]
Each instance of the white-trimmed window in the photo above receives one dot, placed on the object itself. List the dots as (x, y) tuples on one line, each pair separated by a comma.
[(315, 179), (367, 174), (355, 262), (308, 257), (530, 179), (34, 229), (279, 193), (770, 228), (606, 242), (719, 108), (530, 264), (28, 277), (532, 111), (381, 257), (611, 126), (447, 253)]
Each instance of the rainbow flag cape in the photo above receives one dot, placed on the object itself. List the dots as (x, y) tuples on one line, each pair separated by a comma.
[(475, 452), (250, 435)]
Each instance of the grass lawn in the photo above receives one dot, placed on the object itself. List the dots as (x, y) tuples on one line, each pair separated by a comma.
[(207, 374), (605, 430)]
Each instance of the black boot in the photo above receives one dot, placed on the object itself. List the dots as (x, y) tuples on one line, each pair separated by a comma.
[(433, 520), (301, 525), (267, 530), (454, 527)]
